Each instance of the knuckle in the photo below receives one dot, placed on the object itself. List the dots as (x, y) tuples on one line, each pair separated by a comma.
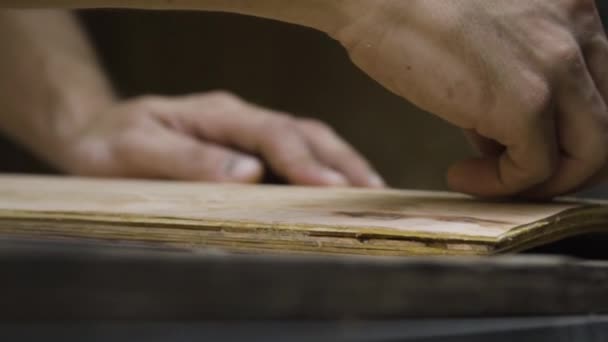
[(314, 125), (566, 55), (535, 96), (222, 102), (139, 109), (224, 96), (278, 123)]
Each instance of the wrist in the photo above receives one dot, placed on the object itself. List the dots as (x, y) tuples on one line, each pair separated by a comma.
[(70, 106)]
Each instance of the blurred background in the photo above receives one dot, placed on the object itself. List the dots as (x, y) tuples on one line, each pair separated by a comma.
[(273, 64)]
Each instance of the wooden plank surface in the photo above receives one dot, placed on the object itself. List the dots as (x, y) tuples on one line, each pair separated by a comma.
[(287, 219)]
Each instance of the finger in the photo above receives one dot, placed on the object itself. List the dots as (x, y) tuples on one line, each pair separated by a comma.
[(274, 136), (290, 155), (336, 153), (583, 133), (528, 159), (172, 155)]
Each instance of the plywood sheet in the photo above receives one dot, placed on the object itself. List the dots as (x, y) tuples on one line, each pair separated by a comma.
[(284, 219)]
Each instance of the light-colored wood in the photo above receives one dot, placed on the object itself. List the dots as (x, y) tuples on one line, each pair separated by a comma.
[(257, 218)]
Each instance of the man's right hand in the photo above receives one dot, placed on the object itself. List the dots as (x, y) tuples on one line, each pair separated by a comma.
[(528, 79)]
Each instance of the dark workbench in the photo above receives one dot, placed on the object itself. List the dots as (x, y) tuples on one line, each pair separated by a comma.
[(66, 281), (126, 293)]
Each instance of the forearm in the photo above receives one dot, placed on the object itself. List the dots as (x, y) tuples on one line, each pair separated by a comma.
[(324, 15), (50, 83)]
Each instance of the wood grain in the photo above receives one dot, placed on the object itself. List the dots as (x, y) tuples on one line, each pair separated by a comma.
[(262, 218)]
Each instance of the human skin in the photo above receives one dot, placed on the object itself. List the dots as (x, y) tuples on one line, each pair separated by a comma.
[(526, 79), (56, 101)]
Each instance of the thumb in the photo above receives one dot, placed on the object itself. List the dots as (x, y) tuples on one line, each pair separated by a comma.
[(528, 161)]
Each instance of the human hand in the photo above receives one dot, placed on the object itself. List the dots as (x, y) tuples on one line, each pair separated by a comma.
[(529, 79), (211, 137)]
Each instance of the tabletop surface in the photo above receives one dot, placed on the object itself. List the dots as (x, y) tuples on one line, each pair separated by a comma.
[(58, 280)]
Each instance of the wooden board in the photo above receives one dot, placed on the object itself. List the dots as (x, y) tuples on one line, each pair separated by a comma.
[(256, 218)]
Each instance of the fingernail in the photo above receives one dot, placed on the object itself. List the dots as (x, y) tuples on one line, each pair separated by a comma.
[(333, 178), (375, 181), (243, 168)]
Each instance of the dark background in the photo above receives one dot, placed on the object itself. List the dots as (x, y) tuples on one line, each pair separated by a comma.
[(278, 65)]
